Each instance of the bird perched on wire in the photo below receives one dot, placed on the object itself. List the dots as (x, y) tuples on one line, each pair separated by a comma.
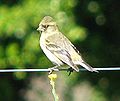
[(58, 48)]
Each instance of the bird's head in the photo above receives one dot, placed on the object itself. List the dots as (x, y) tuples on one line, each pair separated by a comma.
[(47, 22)]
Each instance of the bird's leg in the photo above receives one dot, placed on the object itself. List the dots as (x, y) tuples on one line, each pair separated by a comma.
[(52, 69), (70, 70)]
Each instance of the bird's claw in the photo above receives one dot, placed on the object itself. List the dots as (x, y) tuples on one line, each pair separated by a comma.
[(53, 69), (70, 70)]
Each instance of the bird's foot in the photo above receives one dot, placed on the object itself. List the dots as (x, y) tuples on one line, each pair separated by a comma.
[(70, 70), (53, 69)]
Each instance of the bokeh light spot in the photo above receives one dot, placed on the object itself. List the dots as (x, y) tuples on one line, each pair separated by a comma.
[(100, 20), (93, 7), (77, 33)]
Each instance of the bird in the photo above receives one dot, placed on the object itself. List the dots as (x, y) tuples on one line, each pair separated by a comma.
[(58, 48)]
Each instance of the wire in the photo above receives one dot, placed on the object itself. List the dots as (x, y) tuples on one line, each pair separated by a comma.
[(48, 70)]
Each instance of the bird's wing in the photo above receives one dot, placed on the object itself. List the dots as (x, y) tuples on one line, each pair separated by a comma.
[(72, 46), (63, 41), (61, 54)]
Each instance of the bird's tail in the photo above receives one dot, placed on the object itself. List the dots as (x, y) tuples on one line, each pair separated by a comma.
[(76, 68), (88, 67)]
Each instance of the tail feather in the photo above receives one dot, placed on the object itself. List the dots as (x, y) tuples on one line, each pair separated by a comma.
[(75, 68), (88, 67)]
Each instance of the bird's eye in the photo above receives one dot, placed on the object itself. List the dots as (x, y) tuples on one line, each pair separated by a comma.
[(45, 26)]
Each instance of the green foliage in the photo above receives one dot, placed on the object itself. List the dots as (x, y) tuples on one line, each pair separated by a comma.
[(18, 34), (93, 26)]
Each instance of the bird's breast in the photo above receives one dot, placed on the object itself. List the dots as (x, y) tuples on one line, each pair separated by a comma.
[(49, 54)]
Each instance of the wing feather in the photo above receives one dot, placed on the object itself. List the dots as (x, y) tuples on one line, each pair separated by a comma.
[(61, 54)]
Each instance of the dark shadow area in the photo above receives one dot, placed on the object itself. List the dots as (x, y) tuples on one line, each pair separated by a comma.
[(104, 41), (10, 3)]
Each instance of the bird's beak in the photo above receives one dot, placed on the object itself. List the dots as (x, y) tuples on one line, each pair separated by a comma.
[(41, 29), (38, 29)]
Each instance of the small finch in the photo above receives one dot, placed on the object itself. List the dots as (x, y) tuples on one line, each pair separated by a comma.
[(58, 48)]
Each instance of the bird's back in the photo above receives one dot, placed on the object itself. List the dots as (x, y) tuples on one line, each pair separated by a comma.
[(65, 44)]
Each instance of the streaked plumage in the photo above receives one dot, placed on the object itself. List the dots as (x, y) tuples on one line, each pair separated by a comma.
[(58, 48)]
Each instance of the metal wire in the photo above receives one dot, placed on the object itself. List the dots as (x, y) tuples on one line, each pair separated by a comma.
[(47, 70)]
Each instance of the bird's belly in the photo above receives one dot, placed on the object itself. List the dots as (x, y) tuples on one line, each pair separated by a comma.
[(50, 55)]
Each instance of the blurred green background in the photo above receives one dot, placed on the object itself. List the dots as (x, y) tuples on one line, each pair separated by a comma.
[(94, 28)]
